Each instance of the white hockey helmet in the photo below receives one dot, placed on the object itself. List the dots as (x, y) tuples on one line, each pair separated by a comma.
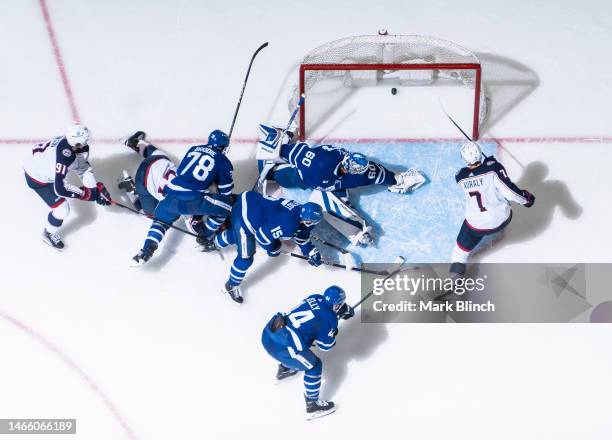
[(471, 153), (77, 135)]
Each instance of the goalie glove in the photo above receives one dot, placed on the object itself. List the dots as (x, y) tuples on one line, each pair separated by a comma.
[(407, 181)]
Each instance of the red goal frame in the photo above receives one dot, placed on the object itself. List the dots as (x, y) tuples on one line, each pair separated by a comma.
[(427, 66)]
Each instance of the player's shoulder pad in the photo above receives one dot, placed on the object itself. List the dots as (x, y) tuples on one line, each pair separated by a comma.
[(462, 174), (64, 152)]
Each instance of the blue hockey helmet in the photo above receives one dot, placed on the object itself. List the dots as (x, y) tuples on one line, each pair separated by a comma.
[(218, 140), (355, 163), (334, 297), (311, 213)]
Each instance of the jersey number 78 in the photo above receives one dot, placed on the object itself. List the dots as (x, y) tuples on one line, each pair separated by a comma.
[(200, 164)]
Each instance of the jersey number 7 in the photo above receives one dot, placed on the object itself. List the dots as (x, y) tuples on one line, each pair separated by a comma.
[(202, 165), (478, 199)]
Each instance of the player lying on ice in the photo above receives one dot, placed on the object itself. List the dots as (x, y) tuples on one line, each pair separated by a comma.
[(488, 191), (289, 337), (329, 171), (46, 171), (188, 194), (148, 188), (268, 221)]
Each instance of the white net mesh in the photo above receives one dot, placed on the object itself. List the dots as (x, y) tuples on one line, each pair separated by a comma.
[(390, 49)]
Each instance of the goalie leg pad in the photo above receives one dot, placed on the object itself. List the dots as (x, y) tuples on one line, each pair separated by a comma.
[(344, 218)]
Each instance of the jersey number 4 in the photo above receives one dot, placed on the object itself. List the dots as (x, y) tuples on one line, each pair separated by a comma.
[(299, 318), (478, 199), (200, 165)]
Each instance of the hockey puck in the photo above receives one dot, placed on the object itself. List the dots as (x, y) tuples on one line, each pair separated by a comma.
[(393, 91)]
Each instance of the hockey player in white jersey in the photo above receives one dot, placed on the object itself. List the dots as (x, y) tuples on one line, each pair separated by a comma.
[(488, 192), (46, 170), (147, 188)]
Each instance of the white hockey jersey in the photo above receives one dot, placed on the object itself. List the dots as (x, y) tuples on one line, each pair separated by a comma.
[(488, 191), (51, 161), (158, 173)]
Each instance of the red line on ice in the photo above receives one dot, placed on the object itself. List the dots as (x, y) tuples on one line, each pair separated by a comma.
[(75, 368), (509, 140), (59, 60)]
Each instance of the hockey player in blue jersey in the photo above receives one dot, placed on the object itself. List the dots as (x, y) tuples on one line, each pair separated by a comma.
[(260, 219), (326, 167), (288, 338), (46, 171), (188, 193), (148, 187), (488, 191), (330, 172)]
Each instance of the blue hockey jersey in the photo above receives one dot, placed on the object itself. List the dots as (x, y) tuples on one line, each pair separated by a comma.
[(319, 168), (201, 167), (271, 220), (312, 321)]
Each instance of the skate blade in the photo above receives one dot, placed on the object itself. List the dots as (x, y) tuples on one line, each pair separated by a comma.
[(285, 379), (229, 298), (320, 414), (136, 264), (48, 243)]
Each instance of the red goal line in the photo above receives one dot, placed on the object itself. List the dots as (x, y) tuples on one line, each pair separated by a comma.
[(356, 140)]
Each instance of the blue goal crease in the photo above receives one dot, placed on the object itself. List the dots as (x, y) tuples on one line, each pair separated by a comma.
[(421, 226)]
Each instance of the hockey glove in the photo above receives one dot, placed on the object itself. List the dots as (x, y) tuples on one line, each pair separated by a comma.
[(89, 194), (274, 249), (314, 258), (346, 311), (127, 184), (103, 197), (530, 199)]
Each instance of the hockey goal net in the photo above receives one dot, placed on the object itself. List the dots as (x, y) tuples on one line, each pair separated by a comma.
[(405, 60)]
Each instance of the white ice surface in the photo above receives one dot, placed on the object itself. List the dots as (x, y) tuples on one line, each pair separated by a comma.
[(161, 345)]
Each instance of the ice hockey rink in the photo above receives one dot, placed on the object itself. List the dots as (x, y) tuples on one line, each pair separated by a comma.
[(160, 353)]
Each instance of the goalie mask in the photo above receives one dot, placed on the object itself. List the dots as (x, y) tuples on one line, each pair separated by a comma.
[(77, 135), (354, 163), (471, 153), (334, 297)]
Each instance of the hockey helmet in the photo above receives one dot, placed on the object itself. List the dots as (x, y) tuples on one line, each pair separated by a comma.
[(311, 213), (77, 135), (334, 297), (218, 140), (471, 153), (355, 163)]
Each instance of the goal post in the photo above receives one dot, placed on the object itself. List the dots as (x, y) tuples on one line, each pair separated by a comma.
[(411, 60)]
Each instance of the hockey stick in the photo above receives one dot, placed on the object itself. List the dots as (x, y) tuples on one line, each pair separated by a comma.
[(269, 164), (395, 268), (329, 263), (184, 231), (347, 257), (453, 121), (246, 78)]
